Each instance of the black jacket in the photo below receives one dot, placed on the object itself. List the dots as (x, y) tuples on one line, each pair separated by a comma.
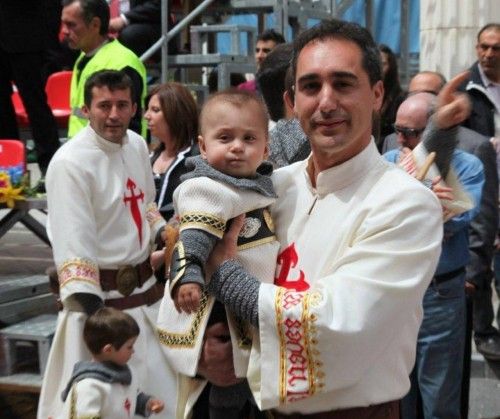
[(481, 118)]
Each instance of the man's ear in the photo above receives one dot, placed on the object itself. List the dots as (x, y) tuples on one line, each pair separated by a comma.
[(378, 91), (95, 23), (201, 144), (134, 109), (85, 111), (289, 104)]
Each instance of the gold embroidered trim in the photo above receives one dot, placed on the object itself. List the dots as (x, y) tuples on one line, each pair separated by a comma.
[(187, 339), (281, 335), (256, 243), (204, 221), (243, 330), (316, 375), (78, 269), (181, 268)]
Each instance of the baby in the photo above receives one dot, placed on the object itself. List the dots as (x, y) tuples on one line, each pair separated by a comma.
[(229, 178)]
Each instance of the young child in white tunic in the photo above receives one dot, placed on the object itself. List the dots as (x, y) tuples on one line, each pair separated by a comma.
[(230, 178), (105, 387)]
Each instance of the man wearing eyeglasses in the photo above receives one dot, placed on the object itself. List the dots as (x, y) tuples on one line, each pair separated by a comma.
[(437, 374)]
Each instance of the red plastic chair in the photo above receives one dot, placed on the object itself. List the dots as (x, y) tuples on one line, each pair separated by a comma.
[(21, 114), (58, 90), (12, 153)]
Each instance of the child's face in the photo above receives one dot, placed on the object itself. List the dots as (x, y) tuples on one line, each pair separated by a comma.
[(234, 139), (122, 355)]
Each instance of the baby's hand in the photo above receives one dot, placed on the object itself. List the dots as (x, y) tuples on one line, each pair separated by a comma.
[(155, 405), (187, 298)]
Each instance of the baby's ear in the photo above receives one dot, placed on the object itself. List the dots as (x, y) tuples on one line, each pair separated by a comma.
[(201, 144), (266, 150)]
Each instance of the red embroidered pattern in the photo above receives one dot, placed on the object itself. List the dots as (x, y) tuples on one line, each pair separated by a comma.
[(299, 370), (78, 269)]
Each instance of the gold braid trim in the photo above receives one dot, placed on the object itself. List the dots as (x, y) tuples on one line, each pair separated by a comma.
[(242, 329), (203, 221), (187, 339), (316, 375), (281, 334), (72, 411)]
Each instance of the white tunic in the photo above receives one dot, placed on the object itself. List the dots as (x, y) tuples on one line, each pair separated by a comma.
[(101, 215), (93, 398), (362, 246), (207, 204)]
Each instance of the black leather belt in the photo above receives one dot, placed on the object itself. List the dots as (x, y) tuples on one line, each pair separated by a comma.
[(438, 279)]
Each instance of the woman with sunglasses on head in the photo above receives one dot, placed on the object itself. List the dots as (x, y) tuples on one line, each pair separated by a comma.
[(172, 117)]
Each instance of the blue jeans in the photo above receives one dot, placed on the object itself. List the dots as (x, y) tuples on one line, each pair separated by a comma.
[(437, 373)]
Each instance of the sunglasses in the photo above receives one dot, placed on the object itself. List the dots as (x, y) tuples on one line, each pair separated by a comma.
[(408, 132)]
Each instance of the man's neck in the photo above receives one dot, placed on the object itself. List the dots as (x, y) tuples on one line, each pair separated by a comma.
[(95, 46), (493, 78)]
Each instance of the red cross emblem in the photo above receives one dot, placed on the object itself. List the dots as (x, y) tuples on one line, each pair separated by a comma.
[(134, 206)]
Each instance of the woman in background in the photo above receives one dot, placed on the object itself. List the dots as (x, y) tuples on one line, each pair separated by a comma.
[(172, 117), (393, 94)]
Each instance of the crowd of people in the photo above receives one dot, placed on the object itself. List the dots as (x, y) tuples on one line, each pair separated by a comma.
[(316, 242)]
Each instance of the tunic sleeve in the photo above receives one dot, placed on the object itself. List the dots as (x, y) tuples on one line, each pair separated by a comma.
[(72, 229)]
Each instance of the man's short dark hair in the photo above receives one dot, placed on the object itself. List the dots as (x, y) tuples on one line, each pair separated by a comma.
[(339, 29), (91, 9), (491, 25), (108, 326), (112, 79), (271, 79), (271, 35)]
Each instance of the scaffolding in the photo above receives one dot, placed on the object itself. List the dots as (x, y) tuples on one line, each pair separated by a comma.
[(292, 13)]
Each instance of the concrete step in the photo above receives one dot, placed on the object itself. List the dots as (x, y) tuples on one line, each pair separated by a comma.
[(24, 297), (22, 382), (23, 287)]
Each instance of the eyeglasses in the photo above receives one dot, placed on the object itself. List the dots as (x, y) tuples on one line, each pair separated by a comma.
[(410, 133)]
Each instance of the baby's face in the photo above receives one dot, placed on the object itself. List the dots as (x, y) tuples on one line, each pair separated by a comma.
[(234, 139)]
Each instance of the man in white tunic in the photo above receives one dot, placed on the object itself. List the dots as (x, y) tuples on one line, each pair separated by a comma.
[(102, 224), (359, 239)]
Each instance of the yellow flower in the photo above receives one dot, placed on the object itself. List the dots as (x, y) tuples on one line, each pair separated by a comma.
[(8, 194)]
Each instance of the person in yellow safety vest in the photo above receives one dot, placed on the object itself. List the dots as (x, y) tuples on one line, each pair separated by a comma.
[(85, 27)]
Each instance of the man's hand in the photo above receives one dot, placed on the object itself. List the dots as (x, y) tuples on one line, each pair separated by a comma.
[(226, 248), (156, 259), (443, 193), (470, 288), (116, 24), (216, 362), (453, 107)]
